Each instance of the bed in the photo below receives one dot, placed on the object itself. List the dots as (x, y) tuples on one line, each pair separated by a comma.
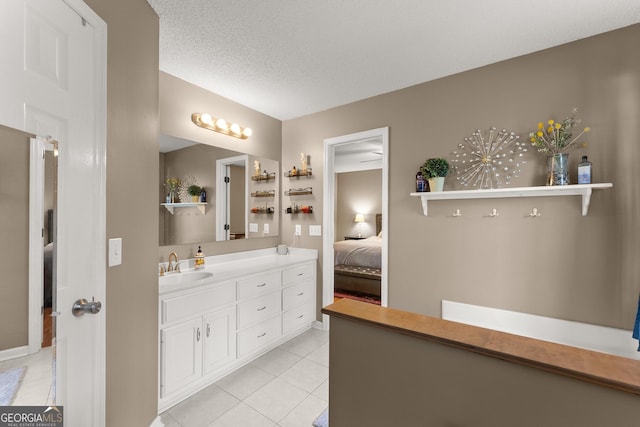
[(358, 263)]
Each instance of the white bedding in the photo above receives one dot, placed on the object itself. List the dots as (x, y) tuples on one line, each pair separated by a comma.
[(366, 252)]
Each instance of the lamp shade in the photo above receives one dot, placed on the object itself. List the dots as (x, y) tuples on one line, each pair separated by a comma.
[(359, 218)]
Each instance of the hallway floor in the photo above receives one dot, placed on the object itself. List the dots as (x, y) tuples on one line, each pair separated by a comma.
[(287, 387)]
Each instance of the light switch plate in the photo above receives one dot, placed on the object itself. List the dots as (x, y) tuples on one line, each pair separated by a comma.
[(315, 230), (115, 251), (253, 228), (298, 230), (265, 230)]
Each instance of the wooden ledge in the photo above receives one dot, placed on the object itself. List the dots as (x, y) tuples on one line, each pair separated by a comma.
[(598, 368)]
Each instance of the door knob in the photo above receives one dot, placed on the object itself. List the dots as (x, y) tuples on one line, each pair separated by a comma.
[(83, 306)]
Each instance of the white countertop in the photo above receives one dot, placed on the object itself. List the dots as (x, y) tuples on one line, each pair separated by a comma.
[(240, 264)]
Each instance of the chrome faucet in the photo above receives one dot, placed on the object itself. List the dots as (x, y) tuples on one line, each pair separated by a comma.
[(174, 266)]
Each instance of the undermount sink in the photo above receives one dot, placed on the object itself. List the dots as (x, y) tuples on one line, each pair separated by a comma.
[(183, 278)]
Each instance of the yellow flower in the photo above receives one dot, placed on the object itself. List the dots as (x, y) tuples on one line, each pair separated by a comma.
[(551, 122), (540, 133), (540, 125), (550, 129), (558, 125), (587, 129), (533, 139)]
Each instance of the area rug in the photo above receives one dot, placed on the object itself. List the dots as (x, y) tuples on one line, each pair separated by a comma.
[(322, 420), (9, 383)]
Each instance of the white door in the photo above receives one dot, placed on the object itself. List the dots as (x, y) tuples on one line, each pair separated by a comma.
[(52, 83)]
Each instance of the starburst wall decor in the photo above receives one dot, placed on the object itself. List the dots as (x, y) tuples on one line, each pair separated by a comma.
[(489, 159)]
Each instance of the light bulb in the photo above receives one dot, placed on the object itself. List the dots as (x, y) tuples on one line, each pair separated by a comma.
[(235, 128), (206, 118), (222, 124), (247, 132)]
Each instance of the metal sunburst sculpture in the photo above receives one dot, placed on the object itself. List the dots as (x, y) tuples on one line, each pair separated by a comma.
[(489, 159)]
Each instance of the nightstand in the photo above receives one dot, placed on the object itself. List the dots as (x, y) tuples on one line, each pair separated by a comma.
[(353, 238)]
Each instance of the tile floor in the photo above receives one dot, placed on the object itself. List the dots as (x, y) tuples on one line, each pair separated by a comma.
[(287, 387), (35, 388)]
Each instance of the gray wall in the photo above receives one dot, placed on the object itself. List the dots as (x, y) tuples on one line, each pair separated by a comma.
[(358, 192), (14, 229), (380, 378), (560, 264)]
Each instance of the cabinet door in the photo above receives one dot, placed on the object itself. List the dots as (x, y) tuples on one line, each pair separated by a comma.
[(181, 355), (219, 339)]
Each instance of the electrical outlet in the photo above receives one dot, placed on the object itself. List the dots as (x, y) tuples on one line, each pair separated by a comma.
[(315, 230), (298, 230), (253, 227), (265, 229)]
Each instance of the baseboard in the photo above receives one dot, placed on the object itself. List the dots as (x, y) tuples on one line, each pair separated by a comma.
[(12, 353), (157, 422)]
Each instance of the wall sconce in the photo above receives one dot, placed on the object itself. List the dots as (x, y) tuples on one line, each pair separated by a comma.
[(359, 219), (205, 120)]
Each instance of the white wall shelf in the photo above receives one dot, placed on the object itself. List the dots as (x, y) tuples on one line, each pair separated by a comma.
[(583, 190), (170, 206)]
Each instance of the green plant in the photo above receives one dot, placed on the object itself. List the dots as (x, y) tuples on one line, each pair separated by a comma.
[(194, 190), (435, 167)]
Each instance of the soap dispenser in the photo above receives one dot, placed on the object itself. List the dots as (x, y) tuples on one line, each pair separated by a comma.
[(199, 261)]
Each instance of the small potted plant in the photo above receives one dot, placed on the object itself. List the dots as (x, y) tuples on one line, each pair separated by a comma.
[(435, 169), (194, 191)]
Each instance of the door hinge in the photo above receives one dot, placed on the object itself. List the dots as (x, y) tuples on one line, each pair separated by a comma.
[(226, 179), (227, 227)]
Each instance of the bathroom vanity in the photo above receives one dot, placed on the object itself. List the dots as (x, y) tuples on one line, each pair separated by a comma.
[(214, 320)]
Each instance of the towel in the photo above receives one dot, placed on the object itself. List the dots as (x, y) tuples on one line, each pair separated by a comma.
[(636, 328)]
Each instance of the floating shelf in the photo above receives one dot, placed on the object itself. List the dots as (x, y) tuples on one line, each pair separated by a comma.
[(299, 173), (268, 177), (298, 192), (262, 194), (583, 190), (170, 206)]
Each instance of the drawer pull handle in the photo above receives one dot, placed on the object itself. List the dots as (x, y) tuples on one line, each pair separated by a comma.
[(262, 335), (301, 316), (300, 274), (262, 285), (198, 335), (208, 330), (264, 307), (300, 294)]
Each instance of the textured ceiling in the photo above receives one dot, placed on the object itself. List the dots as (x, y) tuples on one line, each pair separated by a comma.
[(290, 58)]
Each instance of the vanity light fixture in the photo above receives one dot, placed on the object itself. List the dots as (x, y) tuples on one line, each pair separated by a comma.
[(205, 120)]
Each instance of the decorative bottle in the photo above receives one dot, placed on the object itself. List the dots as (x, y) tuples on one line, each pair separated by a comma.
[(421, 184), (584, 171), (203, 196), (199, 259)]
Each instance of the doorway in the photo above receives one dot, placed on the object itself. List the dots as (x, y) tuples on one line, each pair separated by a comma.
[(332, 157)]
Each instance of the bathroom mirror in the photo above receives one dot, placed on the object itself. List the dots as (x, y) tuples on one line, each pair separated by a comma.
[(230, 204)]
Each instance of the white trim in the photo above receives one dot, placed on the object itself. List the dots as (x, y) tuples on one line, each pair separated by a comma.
[(329, 202), (223, 197), (157, 422), (12, 353), (98, 378)]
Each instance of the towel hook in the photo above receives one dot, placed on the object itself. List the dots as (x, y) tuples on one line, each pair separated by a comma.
[(494, 213), (456, 213), (534, 213)]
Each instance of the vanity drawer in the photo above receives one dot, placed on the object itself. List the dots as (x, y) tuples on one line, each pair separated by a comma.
[(259, 335), (296, 274), (297, 294), (298, 317), (175, 308), (258, 285), (258, 309)]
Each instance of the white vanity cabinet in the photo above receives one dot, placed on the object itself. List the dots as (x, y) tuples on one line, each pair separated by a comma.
[(225, 322)]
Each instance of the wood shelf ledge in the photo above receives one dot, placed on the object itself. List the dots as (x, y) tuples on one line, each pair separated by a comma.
[(597, 368), (583, 190)]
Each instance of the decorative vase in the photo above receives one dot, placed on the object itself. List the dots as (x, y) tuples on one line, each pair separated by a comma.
[(172, 196), (195, 199), (436, 184), (558, 169)]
